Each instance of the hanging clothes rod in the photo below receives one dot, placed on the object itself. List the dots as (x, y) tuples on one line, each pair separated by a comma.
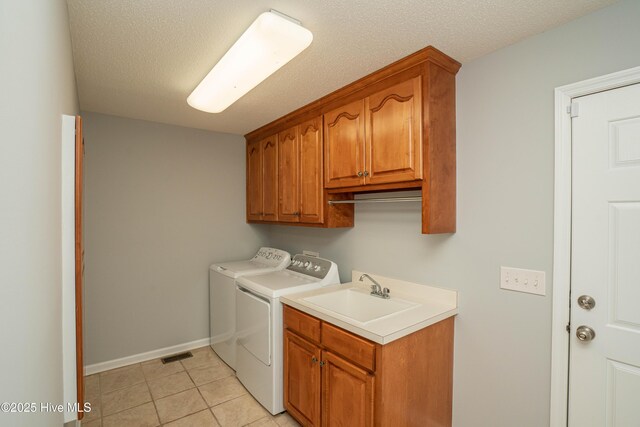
[(380, 200)]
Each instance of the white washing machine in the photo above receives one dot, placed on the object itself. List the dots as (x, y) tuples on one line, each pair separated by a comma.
[(259, 364), (222, 296)]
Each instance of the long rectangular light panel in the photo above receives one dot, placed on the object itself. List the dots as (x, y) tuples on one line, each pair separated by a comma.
[(271, 41)]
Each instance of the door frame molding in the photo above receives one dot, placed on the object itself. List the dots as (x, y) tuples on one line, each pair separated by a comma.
[(562, 232)]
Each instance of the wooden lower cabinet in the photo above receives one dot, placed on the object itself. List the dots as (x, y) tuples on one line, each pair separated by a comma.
[(347, 393), (302, 379), (334, 378)]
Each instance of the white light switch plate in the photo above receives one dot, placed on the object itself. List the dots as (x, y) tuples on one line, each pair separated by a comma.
[(521, 280)]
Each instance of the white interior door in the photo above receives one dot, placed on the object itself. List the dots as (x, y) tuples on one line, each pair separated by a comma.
[(604, 372)]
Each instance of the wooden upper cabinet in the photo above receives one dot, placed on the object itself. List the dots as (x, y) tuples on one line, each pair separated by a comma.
[(254, 180), (377, 140), (311, 185), (270, 178), (394, 134), (288, 176), (392, 130), (344, 139)]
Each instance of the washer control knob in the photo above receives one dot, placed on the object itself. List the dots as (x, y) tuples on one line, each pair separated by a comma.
[(317, 268)]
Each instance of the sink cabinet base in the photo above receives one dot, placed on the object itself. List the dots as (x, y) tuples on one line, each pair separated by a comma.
[(408, 382)]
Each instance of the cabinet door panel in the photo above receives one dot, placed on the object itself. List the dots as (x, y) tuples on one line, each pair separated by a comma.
[(344, 146), (270, 179), (302, 379), (347, 393), (394, 133), (311, 185), (254, 181), (288, 176)]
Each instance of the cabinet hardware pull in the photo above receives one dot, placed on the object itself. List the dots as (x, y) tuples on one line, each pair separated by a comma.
[(314, 359), (322, 363), (366, 173), (360, 173)]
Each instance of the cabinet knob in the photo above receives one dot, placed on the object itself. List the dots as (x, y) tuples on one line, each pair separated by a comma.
[(322, 363), (360, 173), (366, 173), (314, 359)]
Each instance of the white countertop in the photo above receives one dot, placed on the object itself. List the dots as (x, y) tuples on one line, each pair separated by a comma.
[(433, 305)]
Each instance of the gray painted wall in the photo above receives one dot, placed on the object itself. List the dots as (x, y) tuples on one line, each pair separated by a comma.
[(162, 203), (505, 114), (37, 86)]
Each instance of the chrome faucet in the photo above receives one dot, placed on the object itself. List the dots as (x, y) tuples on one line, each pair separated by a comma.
[(376, 289)]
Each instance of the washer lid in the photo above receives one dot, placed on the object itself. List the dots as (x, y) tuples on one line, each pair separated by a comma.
[(237, 269), (278, 283), (264, 261)]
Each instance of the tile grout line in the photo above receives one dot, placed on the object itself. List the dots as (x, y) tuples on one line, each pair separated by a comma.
[(153, 399)]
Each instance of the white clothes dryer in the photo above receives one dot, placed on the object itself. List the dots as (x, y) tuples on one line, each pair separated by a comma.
[(259, 358)]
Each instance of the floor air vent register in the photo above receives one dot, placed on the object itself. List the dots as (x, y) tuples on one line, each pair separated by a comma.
[(176, 357)]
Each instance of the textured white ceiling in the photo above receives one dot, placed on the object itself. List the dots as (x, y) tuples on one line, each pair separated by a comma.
[(142, 58)]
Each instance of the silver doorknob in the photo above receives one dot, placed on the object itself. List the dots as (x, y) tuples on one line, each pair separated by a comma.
[(586, 301), (585, 333)]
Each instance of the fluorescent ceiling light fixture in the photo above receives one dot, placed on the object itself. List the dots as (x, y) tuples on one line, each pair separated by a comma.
[(270, 42)]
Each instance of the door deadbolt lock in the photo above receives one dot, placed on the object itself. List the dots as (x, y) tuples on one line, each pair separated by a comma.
[(587, 302), (585, 333)]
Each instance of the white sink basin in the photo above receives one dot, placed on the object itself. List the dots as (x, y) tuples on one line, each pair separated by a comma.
[(358, 305)]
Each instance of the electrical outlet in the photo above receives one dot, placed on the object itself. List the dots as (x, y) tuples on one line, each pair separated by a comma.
[(521, 280), (311, 253)]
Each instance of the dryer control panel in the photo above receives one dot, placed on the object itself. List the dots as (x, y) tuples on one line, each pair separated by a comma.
[(311, 266)]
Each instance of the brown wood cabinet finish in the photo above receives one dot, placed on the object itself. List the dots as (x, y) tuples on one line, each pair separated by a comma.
[(311, 194), (270, 178), (254, 181), (394, 134), (262, 180), (292, 170), (302, 379), (377, 140), (359, 350), (289, 175), (347, 393), (409, 383), (301, 323), (344, 131), (397, 127)]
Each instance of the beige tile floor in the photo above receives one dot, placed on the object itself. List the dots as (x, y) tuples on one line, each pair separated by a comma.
[(196, 392)]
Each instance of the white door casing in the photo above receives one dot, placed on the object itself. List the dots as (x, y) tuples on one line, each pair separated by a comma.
[(562, 231), (604, 374)]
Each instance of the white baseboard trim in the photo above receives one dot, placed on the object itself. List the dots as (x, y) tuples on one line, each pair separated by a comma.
[(143, 357)]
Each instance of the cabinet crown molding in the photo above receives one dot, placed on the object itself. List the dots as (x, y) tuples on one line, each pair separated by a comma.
[(327, 102)]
